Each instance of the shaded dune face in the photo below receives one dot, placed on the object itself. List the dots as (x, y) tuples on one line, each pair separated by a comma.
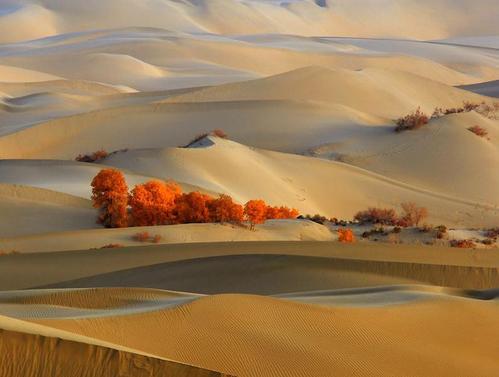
[(30, 355)]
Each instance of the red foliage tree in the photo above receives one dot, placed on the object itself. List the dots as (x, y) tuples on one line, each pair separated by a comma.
[(192, 208), (346, 235), (281, 213), (110, 196), (223, 209), (153, 203), (256, 212)]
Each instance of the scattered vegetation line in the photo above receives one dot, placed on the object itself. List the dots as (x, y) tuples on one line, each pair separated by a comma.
[(164, 203), (418, 118), (411, 215), (92, 157)]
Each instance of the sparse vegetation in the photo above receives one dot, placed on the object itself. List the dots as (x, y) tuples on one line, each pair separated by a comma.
[(11, 252), (141, 236), (112, 246), (383, 216), (92, 157), (487, 110), (463, 244), (479, 131), (412, 214), (412, 121)]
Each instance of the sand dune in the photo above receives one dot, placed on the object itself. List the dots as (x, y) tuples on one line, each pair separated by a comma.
[(28, 210), (366, 349), (365, 264), (331, 17)]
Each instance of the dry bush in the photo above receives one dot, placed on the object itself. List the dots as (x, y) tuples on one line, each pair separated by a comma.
[(397, 230), (346, 236), (462, 244), (112, 246), (412, 214), (316, 218), (384, 216), (492, 233), (479, 131), (141, 236), (219, 133), (487, 110), (380, 231), (412, 121), (93, 157), (156, 239), (441, 232)]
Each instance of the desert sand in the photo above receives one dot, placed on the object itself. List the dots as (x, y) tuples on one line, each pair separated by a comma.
[(308, 93)]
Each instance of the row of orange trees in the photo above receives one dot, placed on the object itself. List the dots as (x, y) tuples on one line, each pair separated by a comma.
[(164, 203)]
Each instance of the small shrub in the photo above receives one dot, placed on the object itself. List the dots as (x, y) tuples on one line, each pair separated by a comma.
[(156, 239), (478, 131), (112, 246), (346, 236), (488, 241), (317, 219), (378, 231), (93, 157), (396, 230), (142, 236), (462, 244), (413, 121), (384, 216), (219, 133), (492, 233)]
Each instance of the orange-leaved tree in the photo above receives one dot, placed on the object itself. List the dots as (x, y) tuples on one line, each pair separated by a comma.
[(223, 209), (153, 203), (192, 208), (110, 196), (281, 213), (256, 212), (346, 236)]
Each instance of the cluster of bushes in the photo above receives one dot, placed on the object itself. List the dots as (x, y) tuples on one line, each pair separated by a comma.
[(163, 203), (346, 235), (462, 244), (485, 109), (418, 118), (411, 215), (216, 132), (92, 157)]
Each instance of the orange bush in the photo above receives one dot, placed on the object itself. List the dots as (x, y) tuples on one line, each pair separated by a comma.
[(156, 238), (281, 213), (223, 209), (153, 203), (256, 212), (412, 121), (110, 196), (346, 235), (219, 133), (192, 208)]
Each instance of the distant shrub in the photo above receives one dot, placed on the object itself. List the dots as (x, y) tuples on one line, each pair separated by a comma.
[(317, 218), (346, 236), (219, 133), (478, 131), (112, 246), (441, 232), (142, 236), (462, 244), (396, 230), (93, 157), (487, 110), (384, 216), (412, 121), (156, 238), (492, 233), (216, 132), (380, 231)]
